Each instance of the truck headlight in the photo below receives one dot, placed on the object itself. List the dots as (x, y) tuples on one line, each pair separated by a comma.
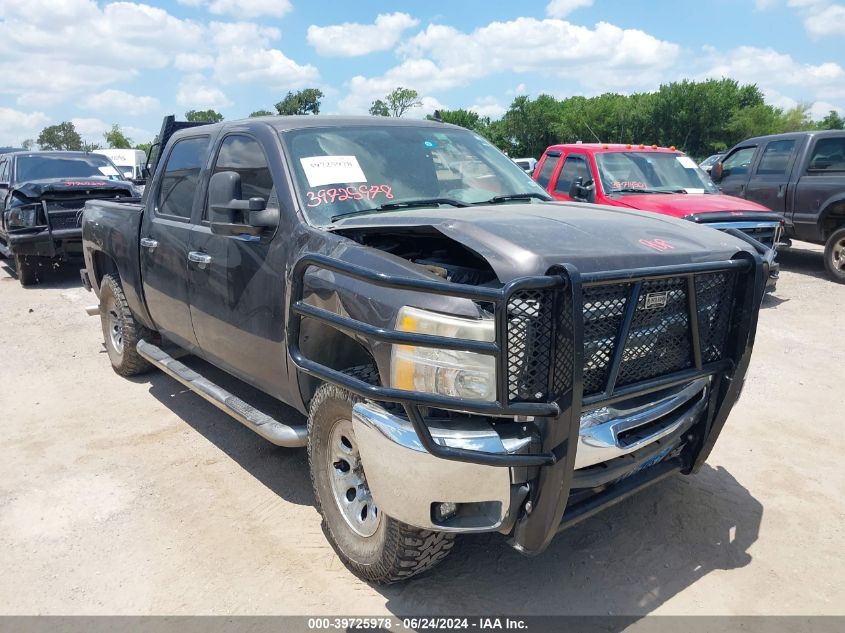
[(20, 217), (441, 371)]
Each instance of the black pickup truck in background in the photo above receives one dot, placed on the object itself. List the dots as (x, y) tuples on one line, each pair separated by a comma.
[(802, 176), (469, 355), (42, 195)]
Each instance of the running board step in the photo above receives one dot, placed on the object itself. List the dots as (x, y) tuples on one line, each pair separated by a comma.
[(270, 429)]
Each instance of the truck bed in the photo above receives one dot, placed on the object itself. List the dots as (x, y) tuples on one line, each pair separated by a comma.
[(110, 242)]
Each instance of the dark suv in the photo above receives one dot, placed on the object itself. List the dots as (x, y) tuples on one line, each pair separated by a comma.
[(802, 176)]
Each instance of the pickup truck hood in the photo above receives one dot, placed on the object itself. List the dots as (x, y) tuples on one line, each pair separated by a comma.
[(528, 239), (38, 188), (681, 205)]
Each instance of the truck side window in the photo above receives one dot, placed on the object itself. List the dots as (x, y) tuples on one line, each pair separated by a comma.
[(775, 157), (739, 162), (828, 155), (243, 154), (546, 171), (180, 178), (574, 167), (4, 171)]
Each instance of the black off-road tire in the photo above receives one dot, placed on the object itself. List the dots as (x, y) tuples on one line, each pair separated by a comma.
[(834, 255), (396, 551), (26, 269), (125, 359)]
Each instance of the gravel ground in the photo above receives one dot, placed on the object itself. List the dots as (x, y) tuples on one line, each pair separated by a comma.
[(137, 497)]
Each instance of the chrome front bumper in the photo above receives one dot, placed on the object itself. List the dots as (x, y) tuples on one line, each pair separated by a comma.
[(409, 484)]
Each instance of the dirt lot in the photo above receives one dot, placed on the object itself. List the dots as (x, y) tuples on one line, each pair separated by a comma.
[(137, 497)]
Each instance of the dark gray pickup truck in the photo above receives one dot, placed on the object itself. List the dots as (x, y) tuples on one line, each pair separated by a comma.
[(41, 199), (469, 355), (802, 176)]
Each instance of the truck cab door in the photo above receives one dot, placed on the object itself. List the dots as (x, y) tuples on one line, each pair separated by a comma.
[(575, 166), (820, 184), (165, 239), (770, 178), (237, 282), (736, 168)]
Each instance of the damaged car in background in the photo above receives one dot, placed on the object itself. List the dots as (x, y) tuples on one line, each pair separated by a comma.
[(469, 355), (42, 195)]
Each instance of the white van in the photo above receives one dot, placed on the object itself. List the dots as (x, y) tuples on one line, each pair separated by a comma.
[(130, 162)]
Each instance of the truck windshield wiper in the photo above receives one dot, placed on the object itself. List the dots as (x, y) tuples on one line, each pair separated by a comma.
[(404, 204), (516, 196), (639, 190)]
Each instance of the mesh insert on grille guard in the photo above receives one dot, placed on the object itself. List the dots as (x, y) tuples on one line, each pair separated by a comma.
[(659, 340)]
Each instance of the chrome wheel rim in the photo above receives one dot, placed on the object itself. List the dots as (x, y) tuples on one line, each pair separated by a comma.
[(348, 482), (839, 255), (115, 330)]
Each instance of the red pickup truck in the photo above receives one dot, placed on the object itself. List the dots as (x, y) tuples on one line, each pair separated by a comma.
[(651, 178)]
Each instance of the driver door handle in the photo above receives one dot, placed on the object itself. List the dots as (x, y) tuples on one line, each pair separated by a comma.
[(147, 242), (197, 257)]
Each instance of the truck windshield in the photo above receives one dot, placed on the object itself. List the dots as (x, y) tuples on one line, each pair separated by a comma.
[(651, 172), (46, 166), (346, 170)]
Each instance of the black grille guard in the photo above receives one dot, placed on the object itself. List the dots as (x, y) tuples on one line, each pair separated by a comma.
[(565, 407)]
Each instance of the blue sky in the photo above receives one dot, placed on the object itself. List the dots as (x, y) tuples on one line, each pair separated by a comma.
[(100, 62)]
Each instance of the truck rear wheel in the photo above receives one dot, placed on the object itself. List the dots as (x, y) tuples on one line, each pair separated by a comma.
[(26, 269), (373, 546), (120, 329), (834, 256)]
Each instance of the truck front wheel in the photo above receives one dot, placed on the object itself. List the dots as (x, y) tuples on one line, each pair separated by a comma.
[(373, 546), (834, 255), (120, 329), (26, 269)]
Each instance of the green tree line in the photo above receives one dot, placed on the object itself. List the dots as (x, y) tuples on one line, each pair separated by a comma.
[(701, 118)]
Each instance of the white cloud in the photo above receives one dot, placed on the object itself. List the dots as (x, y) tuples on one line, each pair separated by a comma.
[(528, 44), (198, 93), (422, 75), (17, 126), (251, 8), (562, 8), (229, 34), (442, 57), (351, 39), (242, 8), (778, 73), (820, 109), (488, 107), (192, 61), (821, 17), (120, 102), (829, 20), (90, 129), (267, 66), (54, 50)]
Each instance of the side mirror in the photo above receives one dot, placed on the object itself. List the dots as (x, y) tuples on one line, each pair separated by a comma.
[(230, 215), (582, 191), (717, 171)]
